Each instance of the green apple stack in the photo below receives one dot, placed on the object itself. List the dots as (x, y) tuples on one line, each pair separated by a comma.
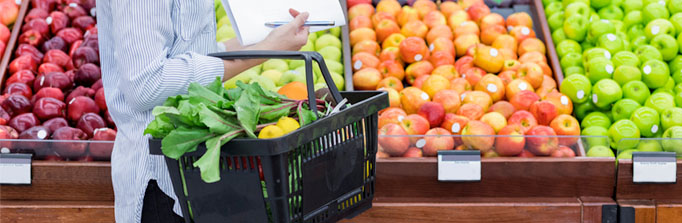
[(622, 63), (275, 73)]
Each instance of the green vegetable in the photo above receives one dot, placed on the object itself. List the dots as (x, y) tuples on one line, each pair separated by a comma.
[(214, 116)]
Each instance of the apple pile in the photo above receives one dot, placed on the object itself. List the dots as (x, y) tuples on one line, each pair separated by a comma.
[(10, 11), (54, 89), (457, 75), (623, 71)]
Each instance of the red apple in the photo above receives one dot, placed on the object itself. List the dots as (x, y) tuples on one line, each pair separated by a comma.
[(478, 135), (566, 125), (523, 118), (511, 141), (542, 140), (455, 124), (544, 112), (413, 152), (38, 25), (437, 139), (393, 139), (433, 112), (26, 49), (24, 62)]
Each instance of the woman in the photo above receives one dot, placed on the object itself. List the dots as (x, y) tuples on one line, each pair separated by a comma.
[(150, 50)]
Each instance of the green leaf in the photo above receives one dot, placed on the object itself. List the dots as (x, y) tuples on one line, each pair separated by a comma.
[(305, 116), (216, 86), (160, 127), (189, 113), (165, 110), (272, 113), (215, 122), (199, 94), (222, 111), (183, 140), (247, 112), (173, 101), (209, 163), (234, 93), (263, 96)]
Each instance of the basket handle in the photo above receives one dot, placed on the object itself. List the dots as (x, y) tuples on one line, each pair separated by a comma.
[(307, 56)]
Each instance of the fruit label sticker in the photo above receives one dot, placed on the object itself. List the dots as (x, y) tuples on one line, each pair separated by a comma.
[(655, 29), (607, 55), (647, 69), (654, 167), (18, 2), (459, 165), (431, 47), (493, 52), (15, 168), (401, 118), (418, 57), (611, 37), (580, 94), (609, 69), (564, 100), (425, 96), (357, 65), (523, 86), (48, 20), (420, 143), (594, 98), (492, 88), (525, 31), (455, 128), (661, 2), (654, 129)]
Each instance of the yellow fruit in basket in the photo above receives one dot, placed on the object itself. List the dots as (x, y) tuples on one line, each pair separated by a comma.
[(270, 131), (288, 124)]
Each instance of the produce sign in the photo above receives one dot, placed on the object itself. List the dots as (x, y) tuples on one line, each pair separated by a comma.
[(459, 74), (54, 90), (214, 115), (623, 71)]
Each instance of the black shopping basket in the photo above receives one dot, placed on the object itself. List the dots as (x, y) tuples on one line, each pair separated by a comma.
[(322, 172)]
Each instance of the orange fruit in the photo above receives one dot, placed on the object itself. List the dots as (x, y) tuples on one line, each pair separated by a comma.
[(294, 90)]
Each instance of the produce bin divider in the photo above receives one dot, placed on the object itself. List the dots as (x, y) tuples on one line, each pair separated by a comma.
[(13, 40)]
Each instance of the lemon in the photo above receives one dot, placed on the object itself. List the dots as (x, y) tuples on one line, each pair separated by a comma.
[(288, 124), (270, 131)]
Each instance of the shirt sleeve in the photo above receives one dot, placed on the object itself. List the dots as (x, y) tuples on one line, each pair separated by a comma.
[(143, 36)]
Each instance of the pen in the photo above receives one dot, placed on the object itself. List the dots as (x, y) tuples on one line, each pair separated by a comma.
[(307, 23)]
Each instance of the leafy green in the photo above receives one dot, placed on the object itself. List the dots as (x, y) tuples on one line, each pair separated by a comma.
[(214, 116)]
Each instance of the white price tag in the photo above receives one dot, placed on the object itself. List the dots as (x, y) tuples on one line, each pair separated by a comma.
[(455, 165), (654, 167), (15, 168)]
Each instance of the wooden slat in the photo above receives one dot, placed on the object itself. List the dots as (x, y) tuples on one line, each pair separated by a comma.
[(626, 189), (500, 177), (12, 43), (56, 211), (644, 210), (669, 212), (476, 210), (64, 181), (592, 208)]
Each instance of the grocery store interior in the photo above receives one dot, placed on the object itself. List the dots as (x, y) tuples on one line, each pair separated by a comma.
[(341, 111)]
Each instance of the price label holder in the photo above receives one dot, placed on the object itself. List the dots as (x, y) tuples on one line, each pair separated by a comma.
[(654, 167), (459, 165), (15, 169)]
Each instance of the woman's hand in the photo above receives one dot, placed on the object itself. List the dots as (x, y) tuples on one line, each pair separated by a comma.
[(289, 37)]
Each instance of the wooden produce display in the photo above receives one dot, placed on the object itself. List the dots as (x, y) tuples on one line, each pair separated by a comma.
[(647, 202), (515, 189)]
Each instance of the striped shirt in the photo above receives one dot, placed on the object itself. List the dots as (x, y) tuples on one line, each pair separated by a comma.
[(149, 50)]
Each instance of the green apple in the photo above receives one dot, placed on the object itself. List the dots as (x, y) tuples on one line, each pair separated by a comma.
[(599, 68), (648, 52), (576, 87), (276, 64), (336, 31), (586, 45), (639, 41), (611, 42), (327, 40), (593, 16), (672, 141), (659, 27), (568, 2), (568, 46), (301, 70), (667, 45), (331, 53), (597, 4), (558, 36), (660, 101), (592, 53), (224, 21), (679, 41), (577, 8), (625, 58), (624, 108), (291, 76), (676, 20), (574, 70), (581, 110), (624, 129), (273, 75), (296, 63), (632, 5), (675, 65), (636, 90), (554, 8), (605, 92), (556, 21), (661, 2), (595, 136), (636, 31), (647, 120), (572, 59), (598, 28), (626, 42), (312, 37), (338, 80), (627, 154), (596, 119), (671, 117), (244, 76), (547, 2), (654, 11), (600, 151), (655, 73), (633, 18), (678, 98), (309, 46), (264, 82), (619, 25), (225, 33), (575, 27), (626, 73), (678, 89), (611, 12), (334, 66), (675, 6), (669, 85), (649, 145)]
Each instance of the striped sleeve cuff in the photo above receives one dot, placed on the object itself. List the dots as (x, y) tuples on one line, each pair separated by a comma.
[(207, 68)]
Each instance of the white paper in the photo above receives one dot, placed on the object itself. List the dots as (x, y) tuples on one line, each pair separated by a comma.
[(462, 170), (654, 172), (248, 17), (15, 172)]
